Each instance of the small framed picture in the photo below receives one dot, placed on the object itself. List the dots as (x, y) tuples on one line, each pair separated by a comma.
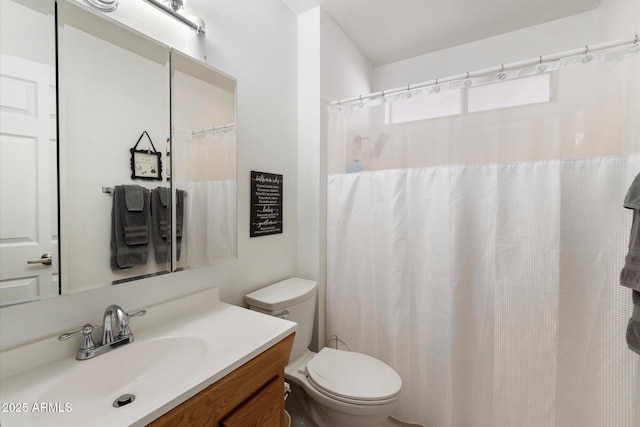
[(145, 165)]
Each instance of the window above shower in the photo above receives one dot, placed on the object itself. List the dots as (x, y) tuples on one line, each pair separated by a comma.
[(511, 93)]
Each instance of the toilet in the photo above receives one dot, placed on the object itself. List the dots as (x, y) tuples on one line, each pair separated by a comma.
[(342, 388)]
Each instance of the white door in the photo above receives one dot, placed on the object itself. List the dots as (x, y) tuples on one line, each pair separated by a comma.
[(28, 183)]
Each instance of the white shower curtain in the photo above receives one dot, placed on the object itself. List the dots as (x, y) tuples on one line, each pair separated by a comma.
[(482, 264), (210, 215)]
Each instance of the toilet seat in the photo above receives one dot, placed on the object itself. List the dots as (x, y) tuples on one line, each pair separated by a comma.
[(352, 377)]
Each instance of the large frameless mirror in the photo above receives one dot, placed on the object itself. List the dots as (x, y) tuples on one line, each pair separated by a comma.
[(28, 160), (114, 103), (203, 120), (132, 203)]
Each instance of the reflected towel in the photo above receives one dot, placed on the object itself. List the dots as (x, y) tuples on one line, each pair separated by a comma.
[(633, 328), (180, 195), (133, 206), (161, 210), (129, 228), (134, 198)]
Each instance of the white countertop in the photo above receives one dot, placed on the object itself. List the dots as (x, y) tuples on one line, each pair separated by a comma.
[(190, 350)]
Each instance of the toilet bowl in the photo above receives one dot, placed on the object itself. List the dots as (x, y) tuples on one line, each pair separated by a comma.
[(342, 388)]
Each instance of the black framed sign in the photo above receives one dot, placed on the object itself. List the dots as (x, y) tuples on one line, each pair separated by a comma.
[(145, 164), (266, 204)]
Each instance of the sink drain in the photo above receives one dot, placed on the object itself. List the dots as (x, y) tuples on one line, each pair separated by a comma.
[(123, 400)]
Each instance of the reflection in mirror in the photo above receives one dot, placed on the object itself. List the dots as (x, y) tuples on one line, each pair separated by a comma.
[(113, 97), (203, 110), (28, 163)]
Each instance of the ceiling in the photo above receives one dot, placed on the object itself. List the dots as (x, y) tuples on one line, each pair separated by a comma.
[(391, 30)]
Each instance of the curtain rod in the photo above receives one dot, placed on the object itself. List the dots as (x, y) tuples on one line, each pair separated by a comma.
[(226, 128), (492, 70)]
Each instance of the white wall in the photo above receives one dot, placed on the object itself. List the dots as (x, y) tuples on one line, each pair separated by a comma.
[(256, 42), (612, 20)]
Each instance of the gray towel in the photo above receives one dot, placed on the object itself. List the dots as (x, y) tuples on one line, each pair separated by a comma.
[(134, 198), (630, 274), (129, 228), (161, 210), (632, 201), (633, 328), (180, 195)]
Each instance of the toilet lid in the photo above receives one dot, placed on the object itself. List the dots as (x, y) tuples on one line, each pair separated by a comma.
[(352, 375)]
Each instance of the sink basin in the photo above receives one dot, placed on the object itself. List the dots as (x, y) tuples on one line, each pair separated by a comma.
[(140, 368), (188, 345)]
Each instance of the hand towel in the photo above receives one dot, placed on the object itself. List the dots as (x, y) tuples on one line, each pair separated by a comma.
[(129, 228), (633, 328), (134, 198), (632, 200), (161, 211), (180, 195), (134, 213), (630, 274)]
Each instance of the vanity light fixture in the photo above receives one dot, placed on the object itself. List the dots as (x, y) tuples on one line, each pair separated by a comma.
[(104, 5), (171, 7)]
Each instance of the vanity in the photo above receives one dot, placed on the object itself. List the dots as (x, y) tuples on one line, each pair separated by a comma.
[(194, 361)]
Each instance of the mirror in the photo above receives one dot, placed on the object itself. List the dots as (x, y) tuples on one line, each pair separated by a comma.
[(28, 162), (118, 96), (203, 118), (114, 96)]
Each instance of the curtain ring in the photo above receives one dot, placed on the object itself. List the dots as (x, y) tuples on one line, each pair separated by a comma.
[(636, 40), (586, 58), (467, 75), (540, 60), (436, 81), (501, 74)]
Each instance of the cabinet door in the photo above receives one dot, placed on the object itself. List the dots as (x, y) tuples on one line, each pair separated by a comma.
[(263, 409)]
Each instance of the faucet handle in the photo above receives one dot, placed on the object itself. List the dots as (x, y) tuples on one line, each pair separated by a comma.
[(125, 330), (87, 340), (137, 313)]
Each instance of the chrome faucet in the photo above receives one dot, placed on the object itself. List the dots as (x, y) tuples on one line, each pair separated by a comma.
[(88, 349)]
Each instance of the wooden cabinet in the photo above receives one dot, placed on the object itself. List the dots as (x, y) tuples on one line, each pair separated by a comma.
[(250, 396)]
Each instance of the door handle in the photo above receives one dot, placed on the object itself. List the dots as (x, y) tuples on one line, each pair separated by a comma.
[(44, 260)]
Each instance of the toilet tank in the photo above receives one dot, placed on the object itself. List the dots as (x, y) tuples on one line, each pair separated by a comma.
[(293, 299)]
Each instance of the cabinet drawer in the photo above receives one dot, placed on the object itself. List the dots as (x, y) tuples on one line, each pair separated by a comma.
[(263, 409)]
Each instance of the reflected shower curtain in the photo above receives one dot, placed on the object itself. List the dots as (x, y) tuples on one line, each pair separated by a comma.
[(209, 233), (479, 255)]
